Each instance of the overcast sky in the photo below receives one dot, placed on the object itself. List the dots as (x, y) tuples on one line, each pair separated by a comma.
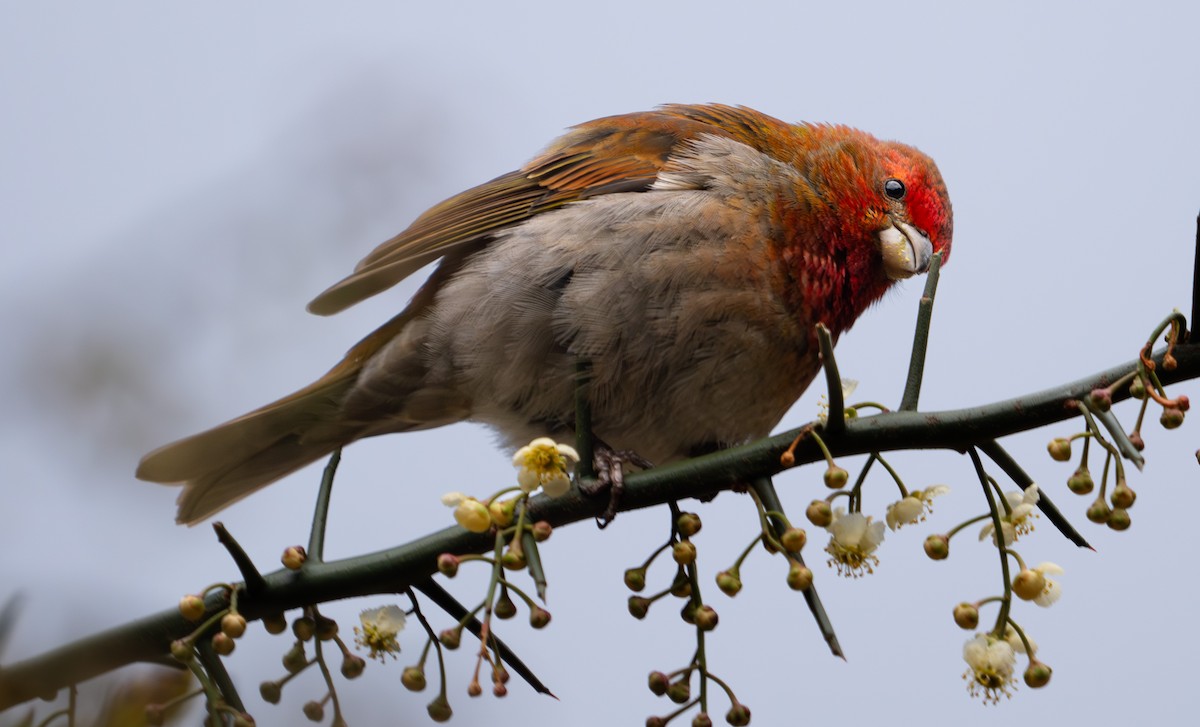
[(176, 182)]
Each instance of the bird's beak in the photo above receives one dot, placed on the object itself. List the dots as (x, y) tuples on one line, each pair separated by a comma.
[(906, 250)]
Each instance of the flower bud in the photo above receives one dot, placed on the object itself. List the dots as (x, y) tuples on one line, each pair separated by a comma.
[(1122, 495), (688, 613), (353, 666), (635, 579), (688, 524), (681, 587), (1171, 418), (500, 674), (450, 638), (684, 552), (182, 650), (502, 512), (1081, 483), (1135, 438), (1037, 675), (413, 678), (729, 582), (793, 539), (966, 615), (1099, 511), (658, 683), (1183, 403), (304, 628), (738, 715), (819, 513), (1137, 389), (1101, 399), (243, 719), (702, 720), (799, 577), (472, 515), (474, 689), (294, 557), (274, 623), (541, 531), (1119, 519), (937, 547), (1060, 449), (499, 690), (679, 692), (271, 692), (222, 644), (233, 625), (314, 710), (513, 557), (836, 477), (656, 721), (294, 659), (706, 618), (439, 709), (639, 606), (1169, 362), (1029, 584), (447, 564), (191, 607), (539, 617), (504, 608)]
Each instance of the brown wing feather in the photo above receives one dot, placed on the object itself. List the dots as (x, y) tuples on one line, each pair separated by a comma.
[(613, 154)]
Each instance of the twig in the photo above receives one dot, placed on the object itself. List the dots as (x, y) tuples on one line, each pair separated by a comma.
[(765, 489), (316, 539), (835, 423), (916, 364)]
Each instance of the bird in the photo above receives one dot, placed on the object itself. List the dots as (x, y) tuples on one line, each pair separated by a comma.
[(685, 254)]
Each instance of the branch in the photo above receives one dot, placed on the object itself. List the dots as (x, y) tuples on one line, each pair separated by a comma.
[(147, 639)]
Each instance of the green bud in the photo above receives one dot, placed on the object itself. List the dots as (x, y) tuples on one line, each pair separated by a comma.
[(937, 547), (819, 512), (836, 477), (413, 678), (966, 615), (729, 582), (1119, 519), (1037, 675), (1081, 483), (1060, 449), (684, 552), (635, 579), (793, 539), (688, 524)]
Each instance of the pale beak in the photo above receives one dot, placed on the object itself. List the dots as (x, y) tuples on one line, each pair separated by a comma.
[(906, 250)]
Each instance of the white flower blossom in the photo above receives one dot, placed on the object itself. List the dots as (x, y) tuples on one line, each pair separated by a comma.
[(1053, 590), (848, 387), (1019, 520), (990, 663), (379, 629), (914, 507), (545, 463), (852, 543)]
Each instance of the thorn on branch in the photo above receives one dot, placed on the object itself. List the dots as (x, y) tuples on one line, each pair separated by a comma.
[(254, 580)]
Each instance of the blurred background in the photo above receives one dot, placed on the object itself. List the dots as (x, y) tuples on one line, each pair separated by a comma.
[(179, 180)]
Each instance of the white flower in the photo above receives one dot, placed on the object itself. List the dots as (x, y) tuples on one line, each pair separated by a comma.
[(990, 663), (451, 499), (379, 629), (545, 463), (854, 538), (914, 507), (1019, 520), (1053, 590)]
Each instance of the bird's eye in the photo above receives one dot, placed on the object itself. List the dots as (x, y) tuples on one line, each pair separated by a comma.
[(894, 189)]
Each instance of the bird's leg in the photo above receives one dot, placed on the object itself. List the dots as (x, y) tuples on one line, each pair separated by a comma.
[(610, 475)]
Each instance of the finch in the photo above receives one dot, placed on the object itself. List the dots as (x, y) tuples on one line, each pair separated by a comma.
[(685, 253)]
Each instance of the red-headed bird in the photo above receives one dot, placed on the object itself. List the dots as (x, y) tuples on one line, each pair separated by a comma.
[(687, 253)]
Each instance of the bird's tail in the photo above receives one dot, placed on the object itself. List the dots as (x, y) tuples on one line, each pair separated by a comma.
[(220, 466), (226, 463)]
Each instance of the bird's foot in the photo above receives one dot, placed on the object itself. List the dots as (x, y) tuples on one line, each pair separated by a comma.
[(610, 475)]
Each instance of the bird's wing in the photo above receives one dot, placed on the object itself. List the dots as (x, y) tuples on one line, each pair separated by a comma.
[(614, 154)]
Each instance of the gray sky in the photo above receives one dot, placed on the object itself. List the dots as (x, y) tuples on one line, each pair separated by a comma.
[(177, 182)]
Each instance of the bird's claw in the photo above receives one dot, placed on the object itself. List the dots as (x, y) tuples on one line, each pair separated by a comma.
[(610, 475)]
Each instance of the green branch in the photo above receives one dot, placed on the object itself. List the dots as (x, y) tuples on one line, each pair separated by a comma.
[(147, 639)]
